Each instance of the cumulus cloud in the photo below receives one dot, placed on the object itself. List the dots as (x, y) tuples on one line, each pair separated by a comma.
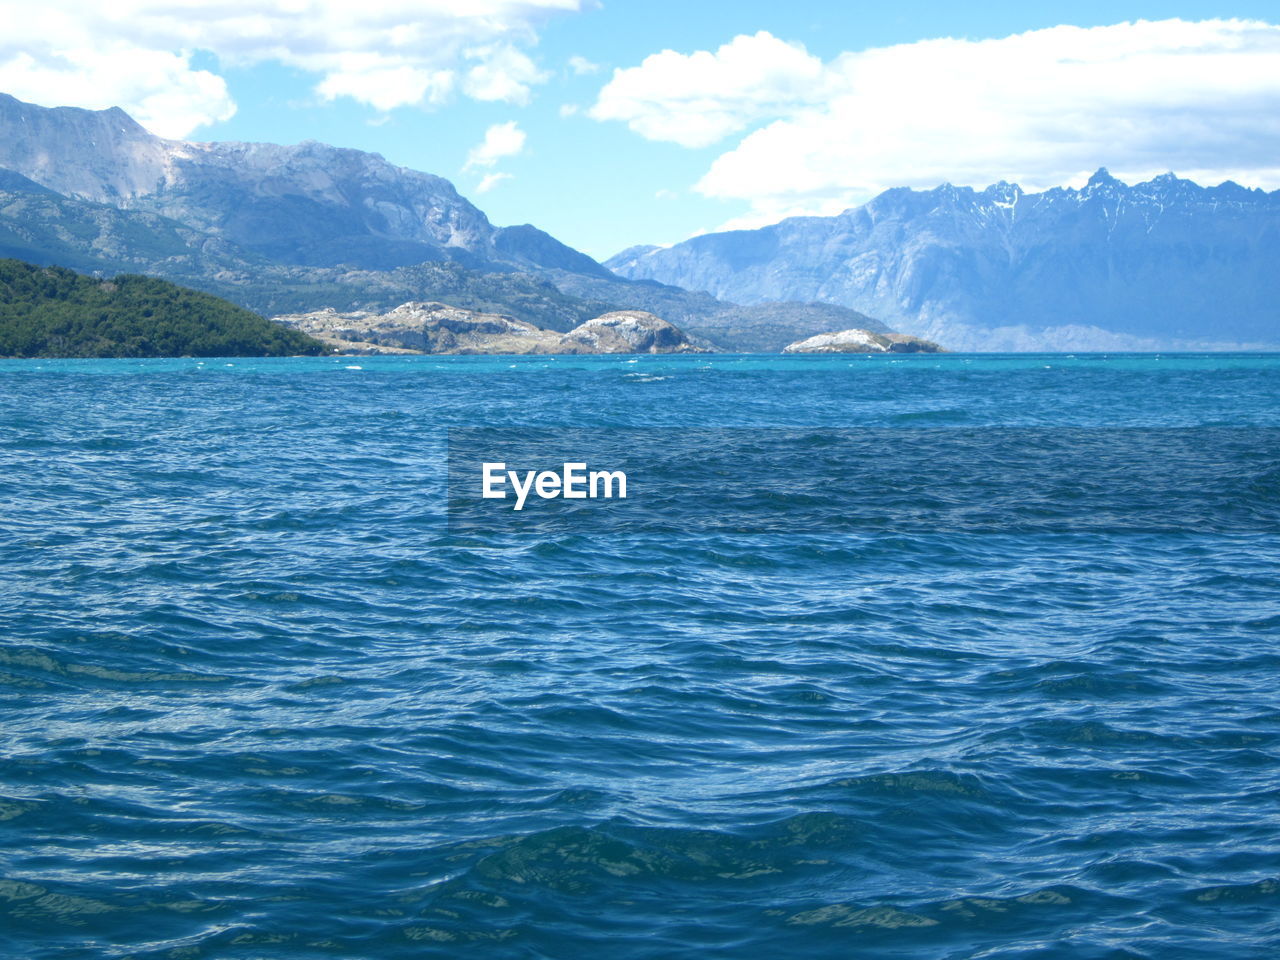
[(1041, 108), (500, 140), (503, 74), (698, 99), (382, 53), (385, 86), (581, 65)]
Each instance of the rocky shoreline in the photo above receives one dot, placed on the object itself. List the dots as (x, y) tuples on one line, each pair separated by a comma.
[(420, 327)]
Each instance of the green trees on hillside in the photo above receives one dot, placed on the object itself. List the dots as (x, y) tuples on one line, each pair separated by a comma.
[(55, 312)]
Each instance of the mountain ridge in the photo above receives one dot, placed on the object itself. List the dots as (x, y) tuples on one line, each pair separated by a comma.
[(1163, 263)]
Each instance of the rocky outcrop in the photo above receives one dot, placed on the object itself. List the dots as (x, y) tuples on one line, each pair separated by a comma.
[(438, 328), (862, 341), (421, 328), (628, 331)]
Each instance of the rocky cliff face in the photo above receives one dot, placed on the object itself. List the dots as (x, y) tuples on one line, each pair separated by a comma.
[(102, 155), (1160, 265), (439, 328), (317, 205)]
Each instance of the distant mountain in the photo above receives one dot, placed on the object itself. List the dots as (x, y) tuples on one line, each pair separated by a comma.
[(1165, 264), (291, 229)]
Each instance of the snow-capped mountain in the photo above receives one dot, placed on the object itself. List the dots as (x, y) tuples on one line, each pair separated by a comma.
[(1162, 264)]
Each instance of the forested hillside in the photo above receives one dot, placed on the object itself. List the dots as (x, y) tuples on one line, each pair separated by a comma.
[(55, 312)]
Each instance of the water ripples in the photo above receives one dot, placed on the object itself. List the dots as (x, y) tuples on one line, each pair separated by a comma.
[(258, 702)]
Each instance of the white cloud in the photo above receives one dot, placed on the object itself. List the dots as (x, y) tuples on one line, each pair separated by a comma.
[(1040, 108), (383, 53), (569, 109), (698, 99), (581, 65), (160, 90), (500, 140), (504, 73), (385, 86), (490, 181)]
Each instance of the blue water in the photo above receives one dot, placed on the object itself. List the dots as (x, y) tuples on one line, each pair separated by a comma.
[(258, 701)]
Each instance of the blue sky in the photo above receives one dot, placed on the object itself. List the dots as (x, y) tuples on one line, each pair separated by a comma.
[(809, 106)]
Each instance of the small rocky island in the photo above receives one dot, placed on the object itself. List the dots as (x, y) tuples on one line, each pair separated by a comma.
[(862, 341), (429, 327)]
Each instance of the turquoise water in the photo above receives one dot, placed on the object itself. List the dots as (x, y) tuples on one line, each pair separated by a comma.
[(258, 701)]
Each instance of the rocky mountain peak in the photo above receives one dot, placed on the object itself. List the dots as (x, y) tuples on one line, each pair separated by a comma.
[(1102, 178), (1002, 192)]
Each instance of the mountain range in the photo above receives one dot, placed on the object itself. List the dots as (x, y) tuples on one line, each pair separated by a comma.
[(291, 229), (1165, 264)]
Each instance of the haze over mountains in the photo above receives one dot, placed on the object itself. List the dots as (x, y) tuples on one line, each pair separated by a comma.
[(291, 229), (296, 228), (1165, 264)]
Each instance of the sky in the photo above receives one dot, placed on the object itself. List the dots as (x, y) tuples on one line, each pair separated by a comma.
[(610, 123)]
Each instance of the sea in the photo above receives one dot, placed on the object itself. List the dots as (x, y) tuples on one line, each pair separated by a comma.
[(261, 698)]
